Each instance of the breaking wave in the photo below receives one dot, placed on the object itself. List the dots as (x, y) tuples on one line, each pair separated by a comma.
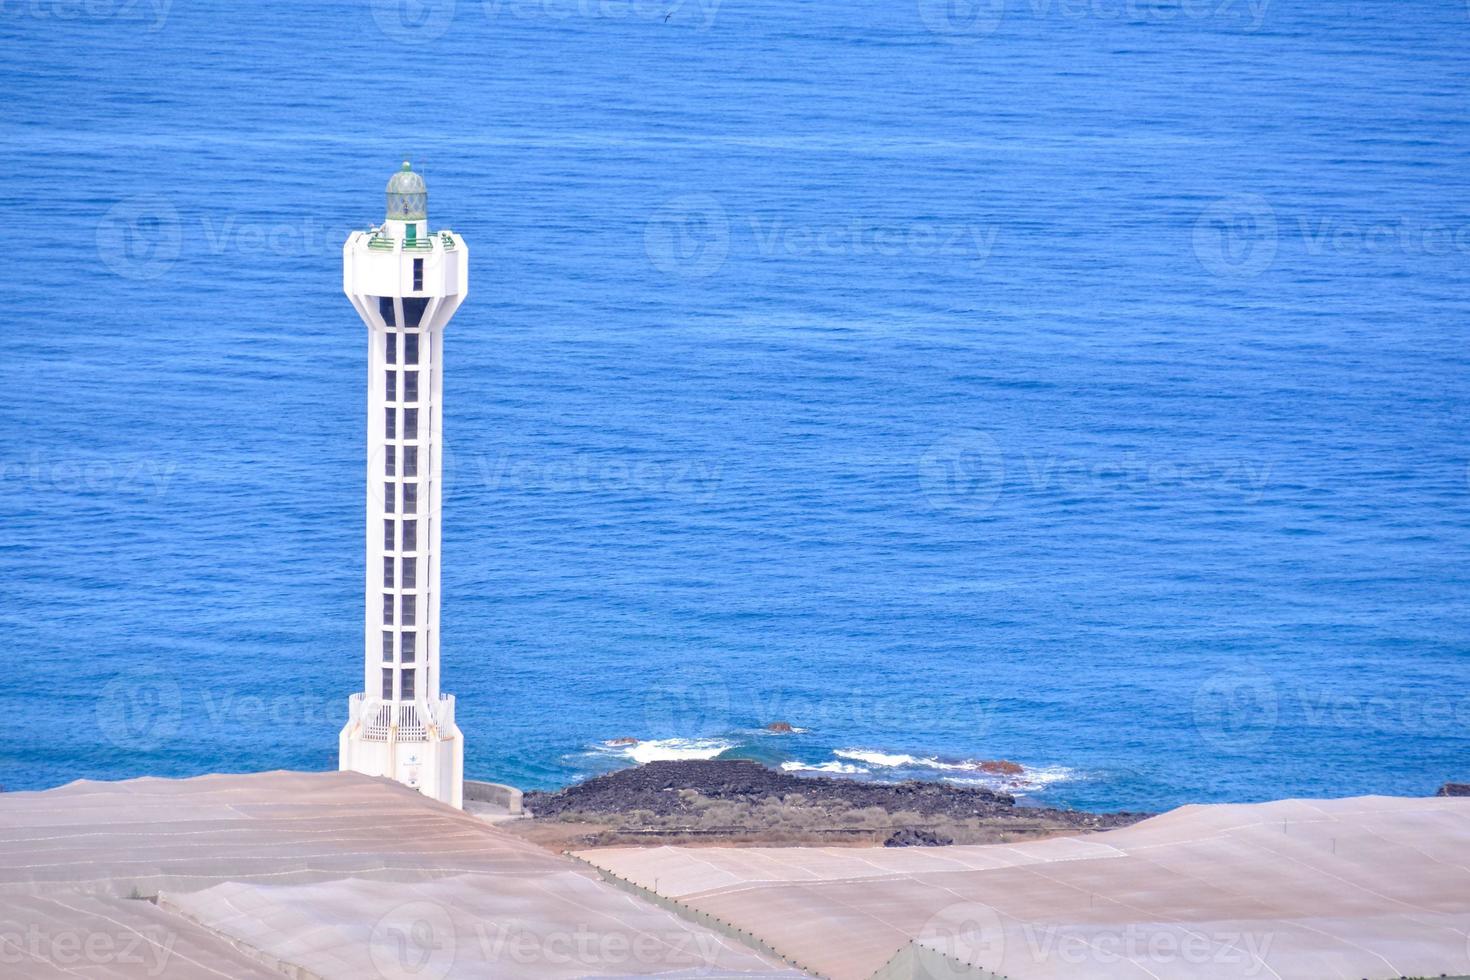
[(669, 749), (986, 773), (842, 768)]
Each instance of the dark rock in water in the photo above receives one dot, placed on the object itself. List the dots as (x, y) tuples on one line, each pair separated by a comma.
[(1002, 767), (625, 740), (780, 727), (916, 837), (1454, 789)]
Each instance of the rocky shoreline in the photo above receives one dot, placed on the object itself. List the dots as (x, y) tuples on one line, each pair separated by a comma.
[(739, 801)]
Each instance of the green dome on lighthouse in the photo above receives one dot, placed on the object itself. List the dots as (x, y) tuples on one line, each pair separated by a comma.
[(408, 198)]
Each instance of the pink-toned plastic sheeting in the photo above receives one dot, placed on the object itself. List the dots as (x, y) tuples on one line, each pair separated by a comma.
[(1373, 887), (313, 875), (555, 927), (63, 936)]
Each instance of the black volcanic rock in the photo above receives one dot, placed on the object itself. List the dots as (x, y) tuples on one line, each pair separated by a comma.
[(1454, 789), (742, 799), (656, 787), (916, 837), (672, 789)]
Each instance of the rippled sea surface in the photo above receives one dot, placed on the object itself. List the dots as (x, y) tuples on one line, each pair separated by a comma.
[(1078, 384)]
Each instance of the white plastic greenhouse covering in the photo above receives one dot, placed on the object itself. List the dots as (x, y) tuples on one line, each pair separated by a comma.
[(330, 875), (1373, 887)]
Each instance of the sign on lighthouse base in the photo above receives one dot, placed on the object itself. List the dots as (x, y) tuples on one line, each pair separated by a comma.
[(430, 760)]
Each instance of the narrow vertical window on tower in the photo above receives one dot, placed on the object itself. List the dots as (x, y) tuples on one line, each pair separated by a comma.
[(410, 386), (408, 573), (413, 311), (392, 348), (387, 683), (388, 493), (387, 609), (410, 535), (388, 534), (418, 274), (388, 572), (410, 608), (390, 385), (390, 423), (385, 310), (390, 459), (408, 693), (410, 348), (410, 423), (388, 645), (410, 460), (410, 651), (410, 498)]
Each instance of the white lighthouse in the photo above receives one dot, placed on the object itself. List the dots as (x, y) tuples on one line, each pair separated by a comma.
[(406, 283)]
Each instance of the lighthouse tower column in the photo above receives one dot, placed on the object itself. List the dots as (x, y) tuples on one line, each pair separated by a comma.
[(406, 284)]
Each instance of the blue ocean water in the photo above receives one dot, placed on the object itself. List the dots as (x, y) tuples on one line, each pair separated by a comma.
[(1076, 383)]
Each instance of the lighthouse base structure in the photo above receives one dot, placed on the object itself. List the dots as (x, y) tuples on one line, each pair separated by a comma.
[(424, 754)]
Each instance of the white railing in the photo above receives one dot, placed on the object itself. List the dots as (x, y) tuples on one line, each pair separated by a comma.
[(411, 727), (381, 721)]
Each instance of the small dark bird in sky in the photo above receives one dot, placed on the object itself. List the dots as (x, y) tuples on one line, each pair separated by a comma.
[(667, 16)]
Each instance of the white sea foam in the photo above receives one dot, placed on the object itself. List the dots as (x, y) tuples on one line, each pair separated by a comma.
[(671, 749), (1036, 778), (1028, 780), (892, 760), (838, 767), (884, 759)]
